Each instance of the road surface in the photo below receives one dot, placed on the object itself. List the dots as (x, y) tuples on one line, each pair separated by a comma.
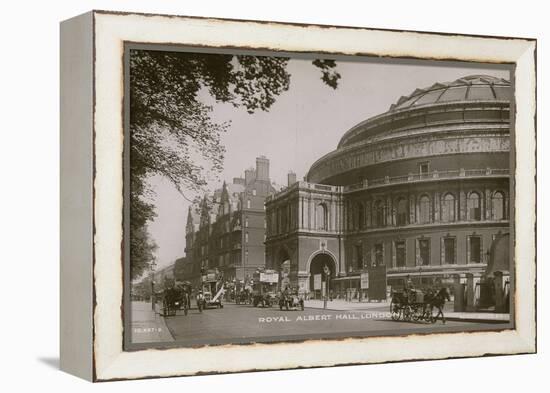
[(242, 323)]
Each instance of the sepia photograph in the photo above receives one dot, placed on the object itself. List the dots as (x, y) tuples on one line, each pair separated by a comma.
[(278, 197)]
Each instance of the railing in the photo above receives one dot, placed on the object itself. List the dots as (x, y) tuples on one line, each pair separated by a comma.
[(435, 175), (303, 185)]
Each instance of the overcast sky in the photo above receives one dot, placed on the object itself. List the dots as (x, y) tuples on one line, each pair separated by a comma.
[(305, 123)]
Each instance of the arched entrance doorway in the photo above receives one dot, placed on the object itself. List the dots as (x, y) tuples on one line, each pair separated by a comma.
[(317, 272)]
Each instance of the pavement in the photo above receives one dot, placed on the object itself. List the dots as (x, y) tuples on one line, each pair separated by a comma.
[(147, 325), (343, 305), (450, 314)]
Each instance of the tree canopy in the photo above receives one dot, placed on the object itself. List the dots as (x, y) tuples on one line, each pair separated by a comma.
[(171, 131)]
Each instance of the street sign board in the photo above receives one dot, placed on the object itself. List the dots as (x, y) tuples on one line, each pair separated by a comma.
[(317, 281), (270, 277), (365, 280), (377, 282)]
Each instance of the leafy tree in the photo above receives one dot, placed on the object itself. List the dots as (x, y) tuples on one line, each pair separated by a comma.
[(171, 132)]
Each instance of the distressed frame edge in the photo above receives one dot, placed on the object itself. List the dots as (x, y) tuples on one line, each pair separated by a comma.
[(525, 336), (76, 196)]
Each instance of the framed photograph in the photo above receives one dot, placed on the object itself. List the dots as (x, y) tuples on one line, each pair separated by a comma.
[(243, 195)]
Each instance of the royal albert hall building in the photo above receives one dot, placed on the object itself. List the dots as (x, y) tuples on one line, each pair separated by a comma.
[(423, 189)]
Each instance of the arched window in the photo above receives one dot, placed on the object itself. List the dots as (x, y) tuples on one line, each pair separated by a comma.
[(424, 207), (322, 218), (402, 212), (498, 206), (448, 208), (379, 214), (474, 206), (361, 215)]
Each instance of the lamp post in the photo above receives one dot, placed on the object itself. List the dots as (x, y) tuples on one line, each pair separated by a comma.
[(327, 285)]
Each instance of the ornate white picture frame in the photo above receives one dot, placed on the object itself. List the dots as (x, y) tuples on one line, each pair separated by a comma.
[(92, 194)]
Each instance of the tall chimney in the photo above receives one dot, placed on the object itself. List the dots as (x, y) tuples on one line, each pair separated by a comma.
[(262, 168), (249, 175), (291, 178)]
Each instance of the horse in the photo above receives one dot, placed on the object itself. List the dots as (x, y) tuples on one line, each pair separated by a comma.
[(437, 299)]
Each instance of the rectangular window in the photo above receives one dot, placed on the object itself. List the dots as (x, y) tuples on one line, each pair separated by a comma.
[(475, 249), (246, 237), (449, 245), (378, 254), (359, 255), (424, 251), (424, 168), (246, 222), (400, 254)]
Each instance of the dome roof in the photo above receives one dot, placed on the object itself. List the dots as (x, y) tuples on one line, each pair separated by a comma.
[(468, 88)]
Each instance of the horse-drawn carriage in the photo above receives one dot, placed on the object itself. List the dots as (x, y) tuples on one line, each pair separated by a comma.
[(418, 305), (175, 298)]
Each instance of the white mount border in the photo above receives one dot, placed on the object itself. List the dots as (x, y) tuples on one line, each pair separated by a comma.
[(111, 30)]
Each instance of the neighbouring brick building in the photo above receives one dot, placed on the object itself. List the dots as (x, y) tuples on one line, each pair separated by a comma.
[(423, 189), (226, 230)]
